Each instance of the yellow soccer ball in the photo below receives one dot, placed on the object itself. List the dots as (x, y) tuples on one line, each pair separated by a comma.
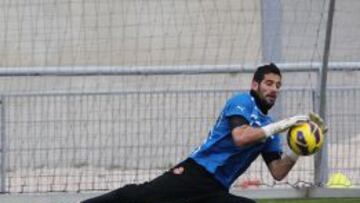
[(305, 139)]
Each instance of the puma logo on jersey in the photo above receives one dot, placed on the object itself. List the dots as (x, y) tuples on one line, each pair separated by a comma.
[(241, 108)]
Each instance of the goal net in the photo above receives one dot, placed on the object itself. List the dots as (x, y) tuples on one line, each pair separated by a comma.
[(96, 94)]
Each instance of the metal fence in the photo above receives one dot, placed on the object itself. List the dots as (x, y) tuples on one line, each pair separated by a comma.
[(100, 141)]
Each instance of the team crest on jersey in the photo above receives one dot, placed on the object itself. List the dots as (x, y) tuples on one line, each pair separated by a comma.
[(179, 170)]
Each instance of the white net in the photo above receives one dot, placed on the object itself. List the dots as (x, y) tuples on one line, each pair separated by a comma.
[(68, 131)]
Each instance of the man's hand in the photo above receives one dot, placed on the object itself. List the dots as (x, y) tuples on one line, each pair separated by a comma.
[(284, 124), (319, 121)]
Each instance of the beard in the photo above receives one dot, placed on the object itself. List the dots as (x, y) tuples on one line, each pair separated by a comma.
[(267, 104), (261, 101)]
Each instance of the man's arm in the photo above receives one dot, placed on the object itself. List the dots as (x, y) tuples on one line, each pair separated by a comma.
[(280, 164), (242, 133)]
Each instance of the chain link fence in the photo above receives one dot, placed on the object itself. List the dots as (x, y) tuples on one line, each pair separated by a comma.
[(100, 141)]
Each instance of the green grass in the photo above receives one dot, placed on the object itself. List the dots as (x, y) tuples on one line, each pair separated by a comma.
[(332, 200)]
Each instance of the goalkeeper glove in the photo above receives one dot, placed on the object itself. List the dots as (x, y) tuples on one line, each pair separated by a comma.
[(284, 124), (319, 121)]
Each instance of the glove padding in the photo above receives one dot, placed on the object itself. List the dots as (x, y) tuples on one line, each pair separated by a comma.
[(284, 124), (319, 121)]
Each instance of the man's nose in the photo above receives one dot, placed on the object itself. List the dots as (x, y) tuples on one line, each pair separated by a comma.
[(274, 88)]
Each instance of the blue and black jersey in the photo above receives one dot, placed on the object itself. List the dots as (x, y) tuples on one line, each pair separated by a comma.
[(220, 156)]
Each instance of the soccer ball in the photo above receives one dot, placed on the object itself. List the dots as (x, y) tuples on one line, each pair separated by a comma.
[(305, 139)]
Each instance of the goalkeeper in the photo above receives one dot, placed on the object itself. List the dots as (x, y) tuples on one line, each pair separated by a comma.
[(242, 132)]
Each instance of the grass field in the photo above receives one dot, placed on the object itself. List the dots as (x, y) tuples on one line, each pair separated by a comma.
[(332, 200)]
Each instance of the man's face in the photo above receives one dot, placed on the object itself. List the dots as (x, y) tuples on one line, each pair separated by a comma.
[(268, 88)]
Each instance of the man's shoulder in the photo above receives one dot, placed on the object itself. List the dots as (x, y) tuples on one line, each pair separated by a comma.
[(241, 97), (239, 104)]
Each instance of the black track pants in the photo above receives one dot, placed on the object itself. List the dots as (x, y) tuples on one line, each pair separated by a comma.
[(187, 182)]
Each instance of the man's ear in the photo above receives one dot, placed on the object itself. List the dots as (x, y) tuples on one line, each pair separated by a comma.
[(254, 85)]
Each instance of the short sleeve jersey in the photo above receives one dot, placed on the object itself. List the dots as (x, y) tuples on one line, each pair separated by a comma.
[(219, 154)]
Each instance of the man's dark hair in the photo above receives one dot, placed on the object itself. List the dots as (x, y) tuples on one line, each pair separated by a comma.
[(261, 71)]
